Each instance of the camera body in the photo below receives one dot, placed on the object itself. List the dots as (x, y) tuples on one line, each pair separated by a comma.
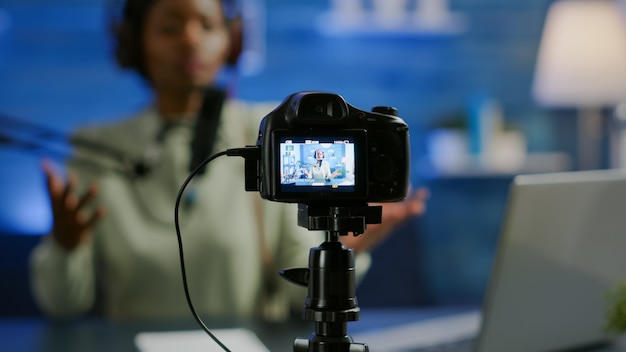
[(318, 149)]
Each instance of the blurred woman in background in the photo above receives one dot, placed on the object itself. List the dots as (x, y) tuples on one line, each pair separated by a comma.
[(113, 243)]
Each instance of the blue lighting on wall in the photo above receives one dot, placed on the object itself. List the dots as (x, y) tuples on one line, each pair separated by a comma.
[(25, 207)]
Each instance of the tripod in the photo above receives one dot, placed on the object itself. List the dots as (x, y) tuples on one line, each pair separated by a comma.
[(330, 278)]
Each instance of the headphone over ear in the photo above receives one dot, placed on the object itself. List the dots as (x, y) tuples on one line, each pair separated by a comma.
[(321, 151), (235, 30)]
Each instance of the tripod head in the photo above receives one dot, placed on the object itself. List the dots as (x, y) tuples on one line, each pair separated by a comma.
[(330, 278)]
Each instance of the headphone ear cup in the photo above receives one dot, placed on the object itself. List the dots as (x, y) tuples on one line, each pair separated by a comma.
[(235, 29)]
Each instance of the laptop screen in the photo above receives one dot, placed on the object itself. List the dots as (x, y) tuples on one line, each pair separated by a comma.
[(561, 249)]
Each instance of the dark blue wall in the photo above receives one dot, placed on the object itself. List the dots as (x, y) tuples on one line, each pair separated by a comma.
[(57, 72)]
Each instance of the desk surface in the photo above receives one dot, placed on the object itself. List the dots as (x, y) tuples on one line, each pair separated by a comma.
[(96, 335)]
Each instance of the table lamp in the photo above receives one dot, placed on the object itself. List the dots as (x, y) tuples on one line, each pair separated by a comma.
[(581, 63)]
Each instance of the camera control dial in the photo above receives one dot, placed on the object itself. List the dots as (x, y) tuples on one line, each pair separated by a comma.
[(387, 110)]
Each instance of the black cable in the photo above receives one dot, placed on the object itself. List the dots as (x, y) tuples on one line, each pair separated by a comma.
[(250, 152), (180, 247)]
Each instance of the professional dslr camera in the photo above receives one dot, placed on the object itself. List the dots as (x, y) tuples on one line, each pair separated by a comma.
[(318, 149)]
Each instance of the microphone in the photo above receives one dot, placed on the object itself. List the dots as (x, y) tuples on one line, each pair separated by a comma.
[(204, 134), (138, 167), (34, 137)]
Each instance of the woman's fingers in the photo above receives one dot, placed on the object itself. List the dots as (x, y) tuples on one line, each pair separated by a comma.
[(86, 198), (71, 222), (55, 186), (95, 217), (68, 200)]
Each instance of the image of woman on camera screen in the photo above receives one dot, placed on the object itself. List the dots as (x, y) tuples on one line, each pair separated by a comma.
[(320, 170)]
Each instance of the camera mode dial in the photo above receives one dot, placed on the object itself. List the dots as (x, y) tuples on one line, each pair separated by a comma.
[(387, 110)]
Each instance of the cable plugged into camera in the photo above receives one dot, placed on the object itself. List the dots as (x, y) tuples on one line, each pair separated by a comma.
[(252, 157), (247, 152), (368, 161)]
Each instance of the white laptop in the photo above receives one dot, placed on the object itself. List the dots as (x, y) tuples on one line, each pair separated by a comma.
[(562, 247)]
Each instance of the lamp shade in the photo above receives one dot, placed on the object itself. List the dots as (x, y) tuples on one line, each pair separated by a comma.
[(582, 55)]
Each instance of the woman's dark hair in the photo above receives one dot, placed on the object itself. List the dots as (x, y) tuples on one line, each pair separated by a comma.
[(127, 32), (127, 29)]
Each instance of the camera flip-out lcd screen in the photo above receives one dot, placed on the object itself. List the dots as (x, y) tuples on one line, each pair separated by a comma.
[(314, 164)]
